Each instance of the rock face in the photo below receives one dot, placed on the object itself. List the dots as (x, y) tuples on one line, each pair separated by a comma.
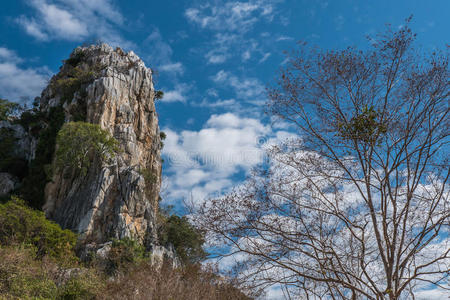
[(25, 144), (8, 183), (117, 199)]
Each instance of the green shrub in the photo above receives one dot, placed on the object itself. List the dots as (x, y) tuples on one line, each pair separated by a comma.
[(20, 224), (81, 286), (7, 109), (185, 238), (79, 142), (76, 57), (159, 95), (123, 254), (74, 80), (149, 176), (30, 120), (23, 277), (162, 135)]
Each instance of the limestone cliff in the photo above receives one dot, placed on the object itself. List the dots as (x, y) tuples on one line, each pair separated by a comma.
[(106, 86)]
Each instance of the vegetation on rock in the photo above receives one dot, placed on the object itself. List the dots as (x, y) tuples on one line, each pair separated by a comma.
[(7, 109), (22, 225), (183, 236), (79, 142)]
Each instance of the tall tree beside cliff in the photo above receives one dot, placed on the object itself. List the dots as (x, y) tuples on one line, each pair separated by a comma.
[(358, 207)]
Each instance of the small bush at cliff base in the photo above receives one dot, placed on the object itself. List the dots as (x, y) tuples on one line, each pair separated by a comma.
[(185, 238), (23, 277), (124, 253), (20, 224), (85, 285)]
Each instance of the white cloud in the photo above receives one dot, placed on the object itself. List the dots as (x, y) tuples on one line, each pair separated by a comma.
[(229, 103), (246, 55), (176, 95), (284, 38), (158, 53), (245, 88), (9, 55), (431, 294), (74, 20), (230, 16), (16, 82), (265, 57), (176, 68), (231, 21), (202, 163), (215, 58)]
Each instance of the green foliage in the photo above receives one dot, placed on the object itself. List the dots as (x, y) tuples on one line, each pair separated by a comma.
[(185, 238), (365, 127), (20, 224), (77, 57), (123, 254), (82, 286), (30, 120), (79, 142), (7, 109), (23, 277), (159, 95), (162, 135), (67, 84), (149, 176)]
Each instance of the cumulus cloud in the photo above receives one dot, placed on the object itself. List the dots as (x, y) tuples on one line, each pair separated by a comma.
[(178, 94), (202, 163), (16, 82), (73, 20)]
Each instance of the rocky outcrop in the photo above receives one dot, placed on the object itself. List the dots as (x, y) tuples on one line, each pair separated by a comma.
[(119, 198), (8, 183)]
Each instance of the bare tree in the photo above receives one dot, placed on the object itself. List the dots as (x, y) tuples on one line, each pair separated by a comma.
[(358, 207)]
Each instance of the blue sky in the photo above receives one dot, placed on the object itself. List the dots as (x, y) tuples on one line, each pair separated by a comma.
[(214, 60)]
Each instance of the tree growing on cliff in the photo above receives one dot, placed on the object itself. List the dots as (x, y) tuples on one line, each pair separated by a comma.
[(358, 207), (78, 143), (7, 109)]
